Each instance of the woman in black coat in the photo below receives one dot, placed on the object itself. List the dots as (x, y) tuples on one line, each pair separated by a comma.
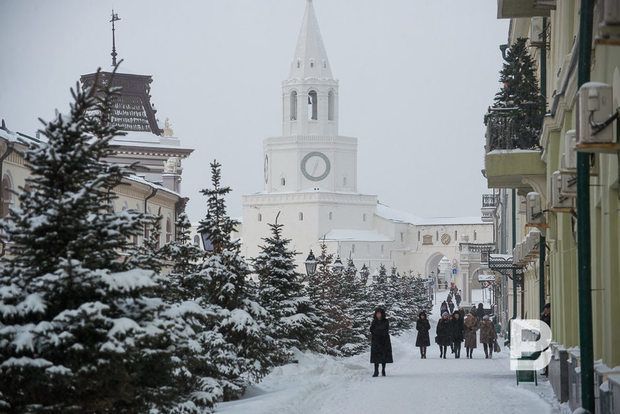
[(443, 338), (381, 347), (457, 333), (423, 340)]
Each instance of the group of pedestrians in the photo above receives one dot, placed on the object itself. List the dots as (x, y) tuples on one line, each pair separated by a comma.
[(454, 329)]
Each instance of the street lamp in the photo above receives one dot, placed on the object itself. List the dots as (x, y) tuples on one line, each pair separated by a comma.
[(364, 273), (338, 267), (310, 264)]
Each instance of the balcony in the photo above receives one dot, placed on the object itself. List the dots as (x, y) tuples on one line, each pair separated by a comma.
[(513, 156), (507, 9)]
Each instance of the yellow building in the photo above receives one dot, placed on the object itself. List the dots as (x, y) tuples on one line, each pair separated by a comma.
[(552, 28)]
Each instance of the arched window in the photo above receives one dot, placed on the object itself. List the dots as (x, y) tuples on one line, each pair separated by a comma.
[(298, 63), (293, 104), (456, 235), (168, 230), (330, 106), (364, 217), (282, 181), (7, 195), (260, 217), (331, 215), (197, 240), (301, 216), (311, 63), (475, 235), (313, 105)]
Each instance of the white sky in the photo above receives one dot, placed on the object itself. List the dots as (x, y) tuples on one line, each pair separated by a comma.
[(416, 77)]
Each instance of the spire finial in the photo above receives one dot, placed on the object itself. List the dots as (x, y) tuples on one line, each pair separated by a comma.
[(115, 18)]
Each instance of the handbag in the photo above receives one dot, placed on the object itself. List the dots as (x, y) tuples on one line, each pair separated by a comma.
[(496, 347)]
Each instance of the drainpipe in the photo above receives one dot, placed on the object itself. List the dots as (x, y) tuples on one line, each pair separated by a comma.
[(514, 243), (153, 192), (543, 238), (583, 224)]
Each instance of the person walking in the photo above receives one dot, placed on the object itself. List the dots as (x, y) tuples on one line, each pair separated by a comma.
[(487, 336), (458, 298), (457, 333), (443, 337), (423, 339), (443, 308), (546, 318), (450, 306), (381, 346), (470, 326), (480, 312)]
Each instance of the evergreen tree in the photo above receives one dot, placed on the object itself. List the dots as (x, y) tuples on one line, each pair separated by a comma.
[(239, 318), (357, 311), (378, 289), (520, 91), (291, 316), (149, 255), (79, 327)]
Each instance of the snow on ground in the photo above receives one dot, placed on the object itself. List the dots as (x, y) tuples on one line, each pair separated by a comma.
[(321, 384)]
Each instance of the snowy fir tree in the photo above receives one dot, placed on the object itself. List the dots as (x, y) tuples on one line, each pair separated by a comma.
[(239, 318), (521, 92), (378, 289), (79, 331), (149, 255), (395, 303), (291, 317), (357, 309), (421, 300)]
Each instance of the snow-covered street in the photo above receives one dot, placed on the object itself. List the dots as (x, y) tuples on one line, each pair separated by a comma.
[(321, 384)]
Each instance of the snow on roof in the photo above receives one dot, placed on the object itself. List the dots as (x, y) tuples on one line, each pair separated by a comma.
[(403, 217), (159, 187), (146, 139), (17, 137), (356, 235)]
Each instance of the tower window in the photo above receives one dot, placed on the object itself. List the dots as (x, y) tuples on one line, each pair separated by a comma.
[(331, 215), (475, 235), (293, 106), (260, 217), (311, 63), (313, 112), (418, 236), (301, 216), (282, 181), (298, 63), (330, 105), (402, 236), (456, 235)]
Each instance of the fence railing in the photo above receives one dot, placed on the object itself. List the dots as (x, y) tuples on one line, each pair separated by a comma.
[(513, 128)]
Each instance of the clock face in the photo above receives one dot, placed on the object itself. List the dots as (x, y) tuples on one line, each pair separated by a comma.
[(266, 168), (315, 166), (445, 238)]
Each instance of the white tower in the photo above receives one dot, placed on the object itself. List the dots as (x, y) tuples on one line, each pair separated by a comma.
[(310, 155)]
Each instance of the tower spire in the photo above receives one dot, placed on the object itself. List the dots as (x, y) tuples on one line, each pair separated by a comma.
[(115, 18), (310, 60)]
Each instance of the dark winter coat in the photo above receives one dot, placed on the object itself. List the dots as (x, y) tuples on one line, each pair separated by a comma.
[(546, 318), (457, 297), (381, 347), (480, 312), (423, 326), (451, 307), (457, 329), (444, 337), (487, 332), (470, 325)]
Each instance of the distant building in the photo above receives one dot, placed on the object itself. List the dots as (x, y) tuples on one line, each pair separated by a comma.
[(310, 178)]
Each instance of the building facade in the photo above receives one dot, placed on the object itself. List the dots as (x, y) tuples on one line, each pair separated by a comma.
[(310, 184), (545, 248)]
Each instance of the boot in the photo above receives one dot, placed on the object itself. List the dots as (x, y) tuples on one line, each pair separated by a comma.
[(376, 374), (383, 370)]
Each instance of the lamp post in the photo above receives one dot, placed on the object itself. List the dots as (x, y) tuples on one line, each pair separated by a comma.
[(310, 263), (364, 273), (338, 267)]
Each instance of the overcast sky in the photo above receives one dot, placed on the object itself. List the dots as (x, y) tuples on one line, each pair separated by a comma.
[(416, 77)]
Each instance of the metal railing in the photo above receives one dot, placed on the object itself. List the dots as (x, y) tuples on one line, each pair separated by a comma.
[(513, 128)]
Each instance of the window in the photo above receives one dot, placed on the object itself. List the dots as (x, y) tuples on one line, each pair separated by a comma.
[(402, 236), (311, 63), (313, 113), (382, 248), (260, 217), (293, 108), (301, 216), (7, 195), (344, 181), (197, 240), (282, 181), (364, 217), (331, 215), (330, 106), (475, 235), (324, 64), (427, 239), (168, 230), (298, 63), (437, 235), (456, 235), (419, 235)]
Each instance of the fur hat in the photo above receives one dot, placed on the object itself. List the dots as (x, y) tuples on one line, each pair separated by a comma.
[(445, 314)]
